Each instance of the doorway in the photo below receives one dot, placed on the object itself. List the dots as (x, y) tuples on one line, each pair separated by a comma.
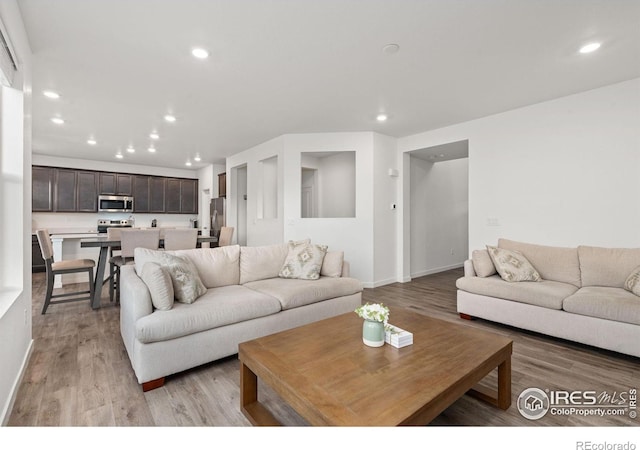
[(439, 208), (241, 203), (309, 206)]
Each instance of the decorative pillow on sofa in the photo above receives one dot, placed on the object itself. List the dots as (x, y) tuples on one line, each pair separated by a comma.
[(633, 282), (512, 265), (160, 285), (332, 264), (304, 261), (187, 285), (482, 263)]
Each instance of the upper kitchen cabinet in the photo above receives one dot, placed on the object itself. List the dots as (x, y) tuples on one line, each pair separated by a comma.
[(42, 189), (87, 191), (141, 202), (222, 184), (157, 186), (116, 184), (64, 192), (181, 196)]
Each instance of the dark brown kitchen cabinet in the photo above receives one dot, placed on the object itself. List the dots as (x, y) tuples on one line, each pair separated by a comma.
[(116, 184), (189, 196), (141, 202), (64, 192), (156, 194), (87, 191), (42, 189), (222, 184), (172, 196)]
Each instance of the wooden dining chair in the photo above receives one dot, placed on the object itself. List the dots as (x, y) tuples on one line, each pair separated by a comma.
[(130, 239), (180, 239), (226, 234), (62, 267)]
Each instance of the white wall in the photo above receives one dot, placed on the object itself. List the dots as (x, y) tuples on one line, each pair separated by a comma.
[(337, 180), (562, 172), (385, 219), (15, 305), (439, 215)]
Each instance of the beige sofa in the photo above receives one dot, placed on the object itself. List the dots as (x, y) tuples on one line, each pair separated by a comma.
[(245, 299), (581, 296)]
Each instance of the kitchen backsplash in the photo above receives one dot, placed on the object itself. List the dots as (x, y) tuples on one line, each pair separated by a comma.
[(90, 221)]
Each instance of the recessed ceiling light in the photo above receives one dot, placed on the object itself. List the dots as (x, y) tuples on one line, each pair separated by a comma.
[(591, 47), (170, 118), (151, 150), (131, 149), (91, 141), (154, 136), (57, 120), (51, 94), (197, 158), (119, 155), (381, 117), (188, 163), (200, 53)]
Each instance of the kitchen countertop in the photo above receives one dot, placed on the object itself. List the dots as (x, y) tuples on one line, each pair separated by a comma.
[(76, 230)]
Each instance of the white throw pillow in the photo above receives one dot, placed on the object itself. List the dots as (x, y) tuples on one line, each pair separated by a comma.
[(332, 264), (482, 263), (512, 265), (187, 285), (160, 285), (303, 261), (633, 282)]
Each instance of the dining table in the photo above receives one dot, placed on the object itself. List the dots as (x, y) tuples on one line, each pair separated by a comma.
[(105, 244)]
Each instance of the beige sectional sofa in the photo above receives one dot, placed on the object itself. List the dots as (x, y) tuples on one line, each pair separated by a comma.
[(581, 295), (245, 299)]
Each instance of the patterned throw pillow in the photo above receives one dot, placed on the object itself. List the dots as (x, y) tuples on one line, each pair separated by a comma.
[(633, 282), (512, 265), (187, 285), (304, 261)]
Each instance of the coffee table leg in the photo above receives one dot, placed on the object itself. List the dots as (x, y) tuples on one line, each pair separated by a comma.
[(504, 384), (249, 404)]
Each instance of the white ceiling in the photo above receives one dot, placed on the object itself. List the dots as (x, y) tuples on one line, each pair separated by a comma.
[(299, 66)]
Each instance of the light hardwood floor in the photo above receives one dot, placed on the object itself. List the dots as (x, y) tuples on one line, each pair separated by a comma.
[(79, 373)]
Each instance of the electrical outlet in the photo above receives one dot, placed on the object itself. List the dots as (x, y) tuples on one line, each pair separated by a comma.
[(452, 252), (25, 316)]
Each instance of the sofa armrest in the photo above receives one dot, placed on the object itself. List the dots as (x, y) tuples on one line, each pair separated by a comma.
[(135, 302), (346, 269), (469, 271)]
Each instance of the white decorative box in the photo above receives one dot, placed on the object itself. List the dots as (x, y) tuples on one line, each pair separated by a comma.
[(397, 337)]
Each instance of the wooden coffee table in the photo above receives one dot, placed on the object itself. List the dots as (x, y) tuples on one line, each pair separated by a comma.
[(325, 372)]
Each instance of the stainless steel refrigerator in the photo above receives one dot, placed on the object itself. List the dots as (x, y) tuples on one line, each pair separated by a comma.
[(217, 211)]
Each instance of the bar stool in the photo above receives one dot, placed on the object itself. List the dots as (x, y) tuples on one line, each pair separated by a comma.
[(226, 234), (180, 239), (60, 268), (130, 240)]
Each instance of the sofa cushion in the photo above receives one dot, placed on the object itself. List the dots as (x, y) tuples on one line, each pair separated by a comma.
[(258, 263), (605, 303), (293, 293), (216, 308), (545, 293), (608, 267), (187, 285), (482, 263), (632, 284), (218, 266), (332, 264), (160, 287), (304, 261), (552, 263), (512, 265)]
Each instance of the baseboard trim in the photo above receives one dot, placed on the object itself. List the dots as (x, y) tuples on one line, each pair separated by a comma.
[(6, 413), (422, 273)]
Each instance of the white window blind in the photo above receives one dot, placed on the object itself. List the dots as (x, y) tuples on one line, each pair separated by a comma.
[(7, 62)]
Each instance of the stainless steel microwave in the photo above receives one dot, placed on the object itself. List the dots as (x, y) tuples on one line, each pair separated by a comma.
[(115, 203)]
